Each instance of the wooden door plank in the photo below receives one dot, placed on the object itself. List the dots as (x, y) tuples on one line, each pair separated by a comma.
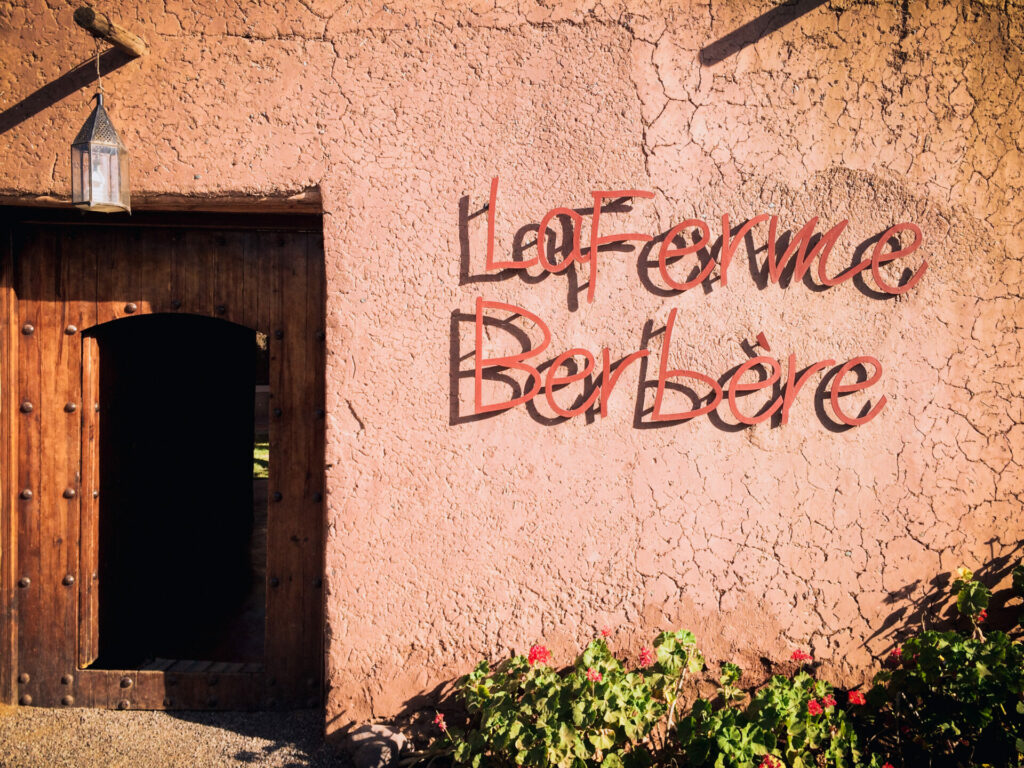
[(31, 257), (205, 260), (82, 292), (313, 506), (154, 273), (229, 289), (131, 252), (38, 658), (250, 317), (88, 571), (81, 301), (148, 689), (284, 553), (100, 688), (9, 333), (112, 279), (61, 435), (269, 308), (198, 285), (268, 299), (174, 249)]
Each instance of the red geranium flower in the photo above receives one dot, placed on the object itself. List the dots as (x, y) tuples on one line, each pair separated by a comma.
[(606, 633), (896, 652), (828, 700), (982, 616), (647, 658), (814, 708), (770, 762), (886, 765), (440, 723), (856, 697), (593, 675), (799, 655), (539, 655)]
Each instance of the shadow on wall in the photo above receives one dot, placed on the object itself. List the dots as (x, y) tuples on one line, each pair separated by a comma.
[(920, 605), (560, 246), (522, 246), (755, 29), (462, 372), (558, 250), (916, 607), (70, 82)]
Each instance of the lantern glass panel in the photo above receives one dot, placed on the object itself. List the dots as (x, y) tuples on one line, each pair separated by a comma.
[(80, 189), (124, 198), (100, 175)]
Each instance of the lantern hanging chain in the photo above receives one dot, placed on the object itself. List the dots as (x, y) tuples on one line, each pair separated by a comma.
[(99, 75)]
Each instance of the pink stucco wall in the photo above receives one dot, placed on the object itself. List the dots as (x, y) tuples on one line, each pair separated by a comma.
[(451, 538)]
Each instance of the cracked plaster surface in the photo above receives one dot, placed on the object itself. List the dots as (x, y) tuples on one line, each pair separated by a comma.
[(448, 542)]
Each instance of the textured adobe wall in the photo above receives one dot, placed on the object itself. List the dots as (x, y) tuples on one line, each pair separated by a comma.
[(448, 541)]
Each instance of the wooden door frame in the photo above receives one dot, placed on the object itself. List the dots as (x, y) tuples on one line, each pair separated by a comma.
[(107, 688)]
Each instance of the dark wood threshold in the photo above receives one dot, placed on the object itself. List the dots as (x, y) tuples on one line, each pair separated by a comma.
[(167, 690)]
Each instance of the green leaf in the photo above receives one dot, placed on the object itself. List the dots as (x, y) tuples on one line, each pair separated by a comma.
[(601, 740)]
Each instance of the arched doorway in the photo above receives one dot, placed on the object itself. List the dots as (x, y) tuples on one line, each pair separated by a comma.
[(182, 547)]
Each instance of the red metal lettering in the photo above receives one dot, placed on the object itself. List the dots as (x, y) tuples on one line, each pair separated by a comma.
[(610, 377), (801, 240), (878, 259), (596, 242), (491, 212), (552, 380), (729, 245), (793, 387), (506, 361), (838, 388), (542, 231), (667, 252), (735, 385), (664, 374)]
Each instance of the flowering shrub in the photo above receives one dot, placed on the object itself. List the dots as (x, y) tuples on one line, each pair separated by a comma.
[(594, 713), (942, 699), (951, 699), (792, 721)]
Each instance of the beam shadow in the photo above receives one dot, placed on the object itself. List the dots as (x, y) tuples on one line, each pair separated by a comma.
[(755, 30), (65, 85)]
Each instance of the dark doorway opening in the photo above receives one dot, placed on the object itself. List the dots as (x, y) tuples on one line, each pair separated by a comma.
[(182, 554)]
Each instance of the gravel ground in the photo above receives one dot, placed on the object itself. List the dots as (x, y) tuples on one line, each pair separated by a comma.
[(34, 737)]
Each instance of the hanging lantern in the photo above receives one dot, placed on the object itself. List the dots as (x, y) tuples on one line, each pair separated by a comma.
[(99, 165)]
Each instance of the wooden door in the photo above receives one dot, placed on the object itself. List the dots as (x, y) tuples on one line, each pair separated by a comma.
[(66, 278)]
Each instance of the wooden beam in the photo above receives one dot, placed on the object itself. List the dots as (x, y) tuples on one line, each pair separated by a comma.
[(304, 201), (100, 25)]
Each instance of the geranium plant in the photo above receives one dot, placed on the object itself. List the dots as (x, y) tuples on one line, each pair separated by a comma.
[(794, 721), (596, 712), (951, 698)]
